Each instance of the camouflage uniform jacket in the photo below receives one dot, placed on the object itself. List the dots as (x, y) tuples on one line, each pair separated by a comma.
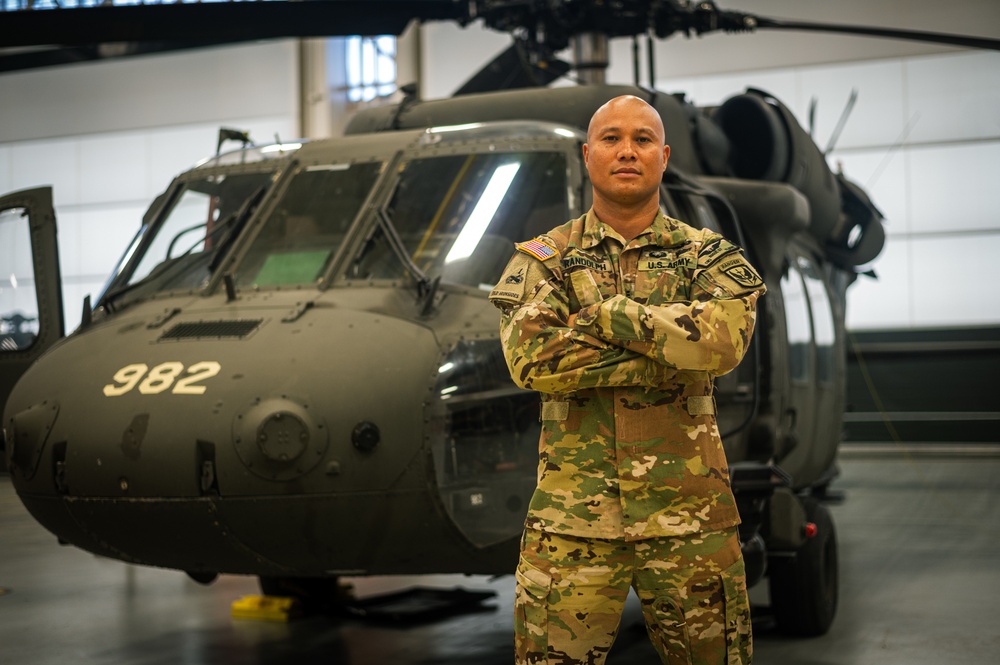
[(629, 445)]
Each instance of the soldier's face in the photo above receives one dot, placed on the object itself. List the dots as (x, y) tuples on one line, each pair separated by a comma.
[(625, 152)]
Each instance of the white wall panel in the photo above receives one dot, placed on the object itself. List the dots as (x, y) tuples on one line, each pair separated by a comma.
[(113, 167), (47, 162), (175, 149), (69, 229), (954, 280), (957, 96), (878, 113), (104, 235), (954, 187), (885, 302), (5, 182)]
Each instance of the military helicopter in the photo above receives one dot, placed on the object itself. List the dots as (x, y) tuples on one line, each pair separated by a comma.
[(294, 372)]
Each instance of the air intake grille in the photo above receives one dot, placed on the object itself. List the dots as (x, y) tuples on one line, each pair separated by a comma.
[(218, 329)]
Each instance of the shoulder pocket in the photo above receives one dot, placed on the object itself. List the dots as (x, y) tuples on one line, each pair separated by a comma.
[(519, 281)]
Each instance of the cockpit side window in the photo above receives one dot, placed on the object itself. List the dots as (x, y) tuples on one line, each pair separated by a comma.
[(18, 299), (824, 330), (458, 216), (308, 225), (797, 324)]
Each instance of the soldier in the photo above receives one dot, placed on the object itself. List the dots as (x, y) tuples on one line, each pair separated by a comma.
[(621, 319)]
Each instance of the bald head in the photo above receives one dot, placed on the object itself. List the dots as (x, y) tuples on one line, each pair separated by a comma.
[(626, 156), (635, 109)]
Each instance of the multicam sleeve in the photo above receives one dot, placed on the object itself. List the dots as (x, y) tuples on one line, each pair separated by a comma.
[(710, 333), (543, 353)]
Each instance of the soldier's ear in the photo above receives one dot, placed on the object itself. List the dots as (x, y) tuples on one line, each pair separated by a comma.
[(586, 153), (666, 156)]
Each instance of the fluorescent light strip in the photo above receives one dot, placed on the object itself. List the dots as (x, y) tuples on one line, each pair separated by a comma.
[(482, 215)]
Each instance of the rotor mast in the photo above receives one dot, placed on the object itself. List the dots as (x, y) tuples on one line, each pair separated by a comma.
[(590, 57)]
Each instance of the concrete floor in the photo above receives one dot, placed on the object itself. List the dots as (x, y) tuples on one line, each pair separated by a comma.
[(920, 584)]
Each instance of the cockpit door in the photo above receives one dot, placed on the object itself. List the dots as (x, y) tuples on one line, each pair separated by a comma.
[(31, 317)]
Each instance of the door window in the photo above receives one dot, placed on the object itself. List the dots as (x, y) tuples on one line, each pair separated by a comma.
[(18, 298)]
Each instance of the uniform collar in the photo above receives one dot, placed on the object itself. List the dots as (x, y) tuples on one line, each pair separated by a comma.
[(662, 232)]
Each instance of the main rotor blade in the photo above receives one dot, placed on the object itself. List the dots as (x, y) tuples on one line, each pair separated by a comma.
[(892, 33), (219, 22)]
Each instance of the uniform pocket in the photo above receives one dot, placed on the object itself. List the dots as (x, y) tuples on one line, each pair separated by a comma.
[(668, 629), (531, 613), (739, 638)]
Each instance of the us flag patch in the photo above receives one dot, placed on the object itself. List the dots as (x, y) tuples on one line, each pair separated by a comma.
[(538, 249)]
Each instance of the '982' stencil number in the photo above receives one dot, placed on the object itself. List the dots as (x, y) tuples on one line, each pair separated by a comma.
[(161, 378)]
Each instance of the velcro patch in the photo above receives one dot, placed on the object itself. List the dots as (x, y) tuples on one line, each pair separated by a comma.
[(555, 411), (539, 249), (701, 405)]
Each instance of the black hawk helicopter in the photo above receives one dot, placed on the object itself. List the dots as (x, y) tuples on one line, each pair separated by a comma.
[(294, 371)]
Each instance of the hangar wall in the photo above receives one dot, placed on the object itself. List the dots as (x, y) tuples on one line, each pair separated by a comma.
[(110, 136)]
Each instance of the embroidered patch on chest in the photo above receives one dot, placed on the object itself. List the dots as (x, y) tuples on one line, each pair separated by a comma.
[(575, 258), (661, 259)]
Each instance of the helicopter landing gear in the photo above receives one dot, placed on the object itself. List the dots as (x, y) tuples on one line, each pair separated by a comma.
[(804, 586), (323, 595)]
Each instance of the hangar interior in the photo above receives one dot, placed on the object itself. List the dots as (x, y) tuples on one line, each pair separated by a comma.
[(919, 524)]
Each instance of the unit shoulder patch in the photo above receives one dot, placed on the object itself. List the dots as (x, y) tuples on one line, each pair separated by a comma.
[(715, 249), (519, 280), (743, 274), (735, 275)]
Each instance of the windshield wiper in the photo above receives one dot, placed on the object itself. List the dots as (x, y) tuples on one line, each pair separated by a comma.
[(426, 287), (235, 225)]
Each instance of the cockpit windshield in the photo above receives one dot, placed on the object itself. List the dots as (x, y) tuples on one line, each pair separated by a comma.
[(201, 221), (308, 224), (459, 215)]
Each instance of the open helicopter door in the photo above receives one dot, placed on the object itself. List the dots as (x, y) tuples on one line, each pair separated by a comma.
[(31, 318)]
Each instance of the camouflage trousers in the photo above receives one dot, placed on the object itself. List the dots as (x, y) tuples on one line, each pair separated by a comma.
[(571, 593)]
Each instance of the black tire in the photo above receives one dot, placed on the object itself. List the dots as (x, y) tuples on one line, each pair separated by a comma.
[(804, 587)]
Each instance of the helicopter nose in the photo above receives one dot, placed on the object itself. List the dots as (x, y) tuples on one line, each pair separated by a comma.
[(171, 448)]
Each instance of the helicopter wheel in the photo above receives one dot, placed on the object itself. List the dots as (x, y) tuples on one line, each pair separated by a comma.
[(323, 595), (804, 587)]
